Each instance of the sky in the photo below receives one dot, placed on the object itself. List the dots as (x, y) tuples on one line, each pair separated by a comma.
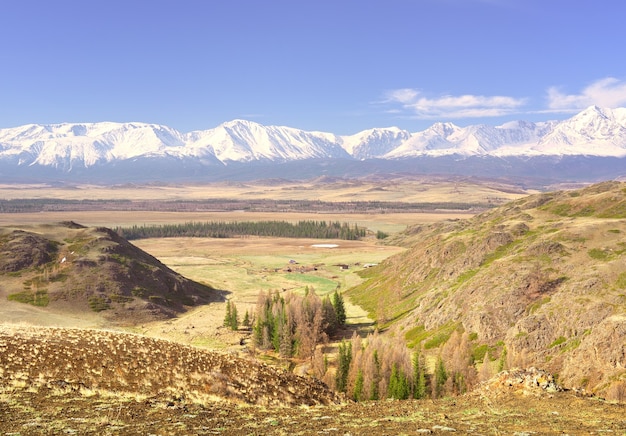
[(339, 66)]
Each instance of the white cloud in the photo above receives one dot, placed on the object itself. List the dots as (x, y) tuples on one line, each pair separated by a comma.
[(449, 106), (609, 92)]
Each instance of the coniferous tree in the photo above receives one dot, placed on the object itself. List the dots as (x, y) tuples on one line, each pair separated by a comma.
[(441, 376), (246, 320), (228, 317), (358, 386), (234, 317), (343, 366), (419, 377), (398, 384), (374, 390), (340, 308), (231, 319)]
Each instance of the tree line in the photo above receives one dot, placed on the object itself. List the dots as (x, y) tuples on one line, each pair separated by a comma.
[(250, 205), (222, 229)]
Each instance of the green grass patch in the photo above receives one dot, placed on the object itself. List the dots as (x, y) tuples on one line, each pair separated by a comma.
[(441, 335), (620, 283), (463, 278), (98, 303), (558, 341), (321, 285), (479, 351), (598, 254), (571, 345), (118, 298), (537, 304), (416, 335), (37, 298)]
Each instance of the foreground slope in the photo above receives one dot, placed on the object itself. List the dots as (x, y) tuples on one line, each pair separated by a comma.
[(71, 381), (75, 269), (138, 365), (542, 279)]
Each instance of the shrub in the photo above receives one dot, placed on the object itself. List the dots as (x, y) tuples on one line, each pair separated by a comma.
[(98, 303)]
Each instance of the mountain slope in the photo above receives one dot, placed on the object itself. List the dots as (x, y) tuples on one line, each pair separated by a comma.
[(70, 148), (72, 268), (245, 141), (543, 277)]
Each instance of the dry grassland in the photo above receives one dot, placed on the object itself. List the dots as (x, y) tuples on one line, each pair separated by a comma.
[(408, 189)]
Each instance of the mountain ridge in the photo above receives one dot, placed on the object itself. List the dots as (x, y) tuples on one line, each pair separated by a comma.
[(84, 149)]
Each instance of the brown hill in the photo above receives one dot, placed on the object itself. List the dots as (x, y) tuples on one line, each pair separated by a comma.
[(73, 381), (540, 281), (92, 269), (97, 360)]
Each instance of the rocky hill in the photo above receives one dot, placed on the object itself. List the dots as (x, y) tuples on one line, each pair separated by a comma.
[(92, 270), (538, 282)]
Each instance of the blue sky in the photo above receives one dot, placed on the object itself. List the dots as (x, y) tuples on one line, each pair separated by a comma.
[(332, 65)]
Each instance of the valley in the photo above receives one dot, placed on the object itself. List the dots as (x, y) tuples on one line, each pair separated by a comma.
[(423, 248)]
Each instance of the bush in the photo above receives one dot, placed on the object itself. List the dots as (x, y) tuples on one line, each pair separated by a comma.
[(98, 303)]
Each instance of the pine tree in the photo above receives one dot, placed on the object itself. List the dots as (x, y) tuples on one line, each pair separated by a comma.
[(441, 376), (398, 384), (343, 366), (234, 317), (358, 386), (419, 377), (340, 309), (246, 320)]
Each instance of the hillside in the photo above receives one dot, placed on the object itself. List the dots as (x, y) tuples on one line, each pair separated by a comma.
[(538, 282), (75, 381), (76, 269)]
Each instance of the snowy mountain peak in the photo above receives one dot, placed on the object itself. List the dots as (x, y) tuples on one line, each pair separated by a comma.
[(594, 131), (443, 129)]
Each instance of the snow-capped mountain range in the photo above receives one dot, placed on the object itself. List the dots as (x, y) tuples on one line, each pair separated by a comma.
[(597, 132)]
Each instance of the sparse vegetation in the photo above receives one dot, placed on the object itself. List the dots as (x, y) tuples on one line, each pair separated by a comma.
[(36, 298)]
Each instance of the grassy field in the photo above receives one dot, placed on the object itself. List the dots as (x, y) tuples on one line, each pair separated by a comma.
[(245, 266)]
